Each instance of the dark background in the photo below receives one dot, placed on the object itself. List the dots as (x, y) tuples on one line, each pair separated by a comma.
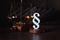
[(5, 5)]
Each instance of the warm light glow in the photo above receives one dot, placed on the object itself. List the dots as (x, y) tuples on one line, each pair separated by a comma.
[(27, 17), (19, 28), (20, 23), (34, 30), (13, 16), (9, 17), (31, 16)]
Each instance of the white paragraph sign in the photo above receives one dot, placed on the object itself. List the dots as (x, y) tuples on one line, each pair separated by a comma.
[(36, 20)]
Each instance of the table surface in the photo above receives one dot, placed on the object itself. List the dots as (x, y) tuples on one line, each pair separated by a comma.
[(54, 35)]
